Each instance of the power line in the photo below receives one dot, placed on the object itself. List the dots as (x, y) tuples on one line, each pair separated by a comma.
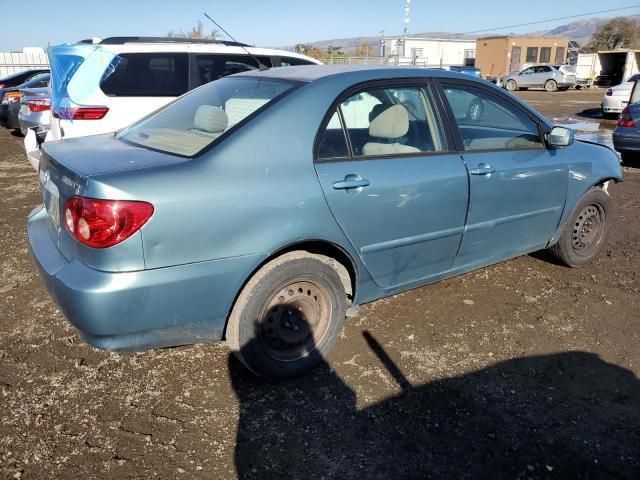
[(552, 19)]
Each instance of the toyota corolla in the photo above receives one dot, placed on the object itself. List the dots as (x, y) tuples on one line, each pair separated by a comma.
[(263, 208)]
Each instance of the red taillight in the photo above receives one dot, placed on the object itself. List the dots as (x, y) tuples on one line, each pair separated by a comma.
[(104, 223), (625, 119), (89, 113), (80, 113), (609, 93), (39, 105)]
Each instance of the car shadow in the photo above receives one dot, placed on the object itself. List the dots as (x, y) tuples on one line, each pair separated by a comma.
[(546, 256), (566, 415)]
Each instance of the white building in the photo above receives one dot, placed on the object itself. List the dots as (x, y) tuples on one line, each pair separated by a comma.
[(430, 52), (14, 62)]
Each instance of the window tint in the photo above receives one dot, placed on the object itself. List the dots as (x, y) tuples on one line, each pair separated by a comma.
[(292, 62), (488, 121), (333, 143), (40, 80), (147, 74), (213, 67), (545, 54), (532, 54), (389, 121)]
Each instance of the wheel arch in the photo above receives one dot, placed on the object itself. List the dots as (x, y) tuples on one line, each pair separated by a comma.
[(313, 246)]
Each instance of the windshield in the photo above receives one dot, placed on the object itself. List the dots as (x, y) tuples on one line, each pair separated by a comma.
[(197, 119)]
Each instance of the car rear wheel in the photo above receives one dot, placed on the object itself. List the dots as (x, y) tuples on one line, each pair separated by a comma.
[(511, 85), (288, 316), (584, 234), (550, 86)]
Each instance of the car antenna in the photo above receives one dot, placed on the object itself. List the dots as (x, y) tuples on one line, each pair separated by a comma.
[(261, 66)]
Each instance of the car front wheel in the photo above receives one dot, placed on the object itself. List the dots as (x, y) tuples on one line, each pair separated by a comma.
[(584, 235), (289, 314), (511, 85)]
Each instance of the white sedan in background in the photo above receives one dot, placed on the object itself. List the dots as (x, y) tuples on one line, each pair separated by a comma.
[(616, 98)]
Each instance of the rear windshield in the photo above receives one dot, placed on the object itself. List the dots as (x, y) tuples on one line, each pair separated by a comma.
[(197, 119)]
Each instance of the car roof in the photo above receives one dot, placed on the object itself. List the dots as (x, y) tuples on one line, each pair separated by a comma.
[(310, 73)]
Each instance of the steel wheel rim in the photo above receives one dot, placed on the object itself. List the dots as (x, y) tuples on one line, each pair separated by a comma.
[(588, 230), (295, 319)]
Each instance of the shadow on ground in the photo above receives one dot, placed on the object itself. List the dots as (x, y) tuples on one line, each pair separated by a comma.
[(569, 415)]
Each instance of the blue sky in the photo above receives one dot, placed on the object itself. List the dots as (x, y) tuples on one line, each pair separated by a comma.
[(277, 22)]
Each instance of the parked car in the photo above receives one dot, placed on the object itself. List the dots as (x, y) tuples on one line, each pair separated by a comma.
[(14, 96), (548, 77), (34, 113), (252, 210), (617, 98), (626, 136), (137, 75), (9, 83)]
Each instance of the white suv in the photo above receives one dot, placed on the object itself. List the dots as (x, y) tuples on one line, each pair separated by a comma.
[(101, 86)]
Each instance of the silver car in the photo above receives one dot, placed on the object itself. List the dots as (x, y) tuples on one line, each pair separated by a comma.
[(35, 111), (549, 77)]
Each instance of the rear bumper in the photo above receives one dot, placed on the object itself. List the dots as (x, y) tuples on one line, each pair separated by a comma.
[(626, 139), (134, 311)]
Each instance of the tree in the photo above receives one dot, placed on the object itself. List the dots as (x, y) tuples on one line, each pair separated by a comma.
[(196, 32), (365, 50), (617, 33), (311, 51)]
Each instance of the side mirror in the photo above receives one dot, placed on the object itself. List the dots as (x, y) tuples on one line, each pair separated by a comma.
[(560, 137)]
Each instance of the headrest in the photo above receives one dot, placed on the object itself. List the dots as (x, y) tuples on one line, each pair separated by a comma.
[(377, 110), (392, 123), (210, 118)]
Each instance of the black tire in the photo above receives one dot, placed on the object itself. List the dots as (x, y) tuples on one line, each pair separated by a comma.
[(511, 85), (630, 159), (551, 86), (586, 231), (289, 314)]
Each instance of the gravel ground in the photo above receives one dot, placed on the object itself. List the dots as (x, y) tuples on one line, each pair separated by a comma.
[(526, 369)]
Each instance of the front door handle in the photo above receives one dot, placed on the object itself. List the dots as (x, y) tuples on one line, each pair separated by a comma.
[(351, 181), (483, 169)]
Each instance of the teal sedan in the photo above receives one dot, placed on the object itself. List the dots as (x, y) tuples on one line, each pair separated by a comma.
[(263, 208)]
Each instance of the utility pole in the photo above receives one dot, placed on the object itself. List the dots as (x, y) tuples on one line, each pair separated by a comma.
[(407, 11)]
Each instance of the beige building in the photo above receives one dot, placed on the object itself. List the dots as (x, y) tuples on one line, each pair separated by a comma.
[(501, 55)]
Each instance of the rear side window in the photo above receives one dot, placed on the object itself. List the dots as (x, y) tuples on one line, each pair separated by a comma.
[(213, 67), (487, 121), (147, 75)]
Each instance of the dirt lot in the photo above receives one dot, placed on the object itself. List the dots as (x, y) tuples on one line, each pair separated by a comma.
[(526, 369)]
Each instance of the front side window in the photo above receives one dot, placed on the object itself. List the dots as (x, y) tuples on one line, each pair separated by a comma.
[(529, 71), (147, 75), (532, 54), (194, 121), (488, 121), (388, 121), (213, 67), (292, 62)]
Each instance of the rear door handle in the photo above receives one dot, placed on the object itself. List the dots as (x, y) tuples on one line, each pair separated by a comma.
[(483, 169), (351, 181)]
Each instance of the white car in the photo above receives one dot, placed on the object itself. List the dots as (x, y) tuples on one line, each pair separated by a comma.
[(101, 86), (616, 98)]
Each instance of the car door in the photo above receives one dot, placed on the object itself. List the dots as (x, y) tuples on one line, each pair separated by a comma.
[(517, 188), (396, 189), (526, 78)]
